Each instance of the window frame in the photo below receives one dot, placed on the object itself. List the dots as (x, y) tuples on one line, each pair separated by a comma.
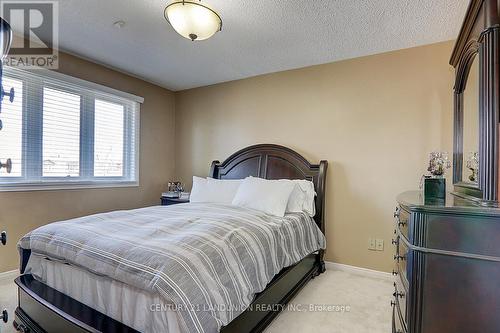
[(34, 82)]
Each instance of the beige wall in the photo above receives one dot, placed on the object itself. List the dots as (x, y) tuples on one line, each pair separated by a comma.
[(21, 212), (375, 119)]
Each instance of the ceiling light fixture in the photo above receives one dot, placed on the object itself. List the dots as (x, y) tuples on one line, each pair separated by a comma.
[(5, 38), (193, 20)]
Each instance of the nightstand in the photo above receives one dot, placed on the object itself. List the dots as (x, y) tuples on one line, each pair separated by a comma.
[(172, 201)]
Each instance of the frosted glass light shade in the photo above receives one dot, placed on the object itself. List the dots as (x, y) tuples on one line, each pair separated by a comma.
[(193, 20)]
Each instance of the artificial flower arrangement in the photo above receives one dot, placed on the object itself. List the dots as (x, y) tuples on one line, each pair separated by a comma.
[(438, 163), (472, 164), (435, 184)]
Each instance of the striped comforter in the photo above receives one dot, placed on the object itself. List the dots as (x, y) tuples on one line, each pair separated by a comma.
[(206, 260)]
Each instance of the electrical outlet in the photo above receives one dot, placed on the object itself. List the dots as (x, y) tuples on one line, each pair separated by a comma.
[(379, 244), (372, 244)]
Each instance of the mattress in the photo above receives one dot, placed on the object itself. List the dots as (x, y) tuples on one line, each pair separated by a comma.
[(134, 307)]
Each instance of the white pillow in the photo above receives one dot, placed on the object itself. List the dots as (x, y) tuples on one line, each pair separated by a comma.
[(223, 190), (214, 190), (268, 196), (199, 191), (302, 198)]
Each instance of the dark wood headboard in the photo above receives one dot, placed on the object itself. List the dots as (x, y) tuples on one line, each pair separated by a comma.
[(275, 162)]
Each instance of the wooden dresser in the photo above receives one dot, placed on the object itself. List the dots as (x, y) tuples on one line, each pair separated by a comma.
[(447, 258), (447, 266)]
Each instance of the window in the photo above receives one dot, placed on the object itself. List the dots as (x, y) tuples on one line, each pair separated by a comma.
[(108, 144), (64, 132), (61, 134)]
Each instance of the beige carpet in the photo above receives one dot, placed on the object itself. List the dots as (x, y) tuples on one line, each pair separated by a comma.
[(365, 301), (368, 300)]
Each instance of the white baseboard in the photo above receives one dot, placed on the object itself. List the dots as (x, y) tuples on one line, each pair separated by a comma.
[(359, 270), (8, 276)]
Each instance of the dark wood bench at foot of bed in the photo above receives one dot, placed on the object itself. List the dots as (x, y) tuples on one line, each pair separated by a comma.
[(44, 309)]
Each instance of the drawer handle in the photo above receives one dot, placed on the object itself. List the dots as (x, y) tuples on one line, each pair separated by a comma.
[(5, 316), (400, 295), (394, 273), (398, 258), (396, 215), (3, 238), (395, 241), (396, 294)]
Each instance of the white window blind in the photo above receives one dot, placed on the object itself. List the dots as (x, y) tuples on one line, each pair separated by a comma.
[(109, 138), (64, 132), (61, 133)]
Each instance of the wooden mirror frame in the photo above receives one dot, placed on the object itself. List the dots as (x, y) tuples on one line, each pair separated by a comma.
[(471, 51), (479, 36)]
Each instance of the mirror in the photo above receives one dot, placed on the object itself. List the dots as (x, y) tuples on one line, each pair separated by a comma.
[(470, 148)]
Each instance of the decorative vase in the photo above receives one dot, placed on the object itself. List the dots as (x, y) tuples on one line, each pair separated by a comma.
[(473, 176), (435, 188)]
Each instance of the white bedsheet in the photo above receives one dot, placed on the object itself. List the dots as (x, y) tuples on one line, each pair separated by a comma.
[(131, 306)]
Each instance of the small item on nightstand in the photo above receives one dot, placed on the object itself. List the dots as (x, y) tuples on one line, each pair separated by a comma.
[(174, 195), (174, 190), (435, 184), (171, 194)]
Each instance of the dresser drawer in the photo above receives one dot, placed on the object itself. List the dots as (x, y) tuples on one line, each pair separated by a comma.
[(402, 220), (399, 304), (400, 293), (401, 257), (400, 276), (398, 324)]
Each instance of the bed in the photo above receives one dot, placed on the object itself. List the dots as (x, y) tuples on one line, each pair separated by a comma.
[(52, 302)]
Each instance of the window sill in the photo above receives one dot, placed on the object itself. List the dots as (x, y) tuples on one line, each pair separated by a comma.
[(60, 187)]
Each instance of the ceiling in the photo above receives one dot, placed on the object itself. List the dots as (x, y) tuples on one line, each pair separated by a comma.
[(258, 36)]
